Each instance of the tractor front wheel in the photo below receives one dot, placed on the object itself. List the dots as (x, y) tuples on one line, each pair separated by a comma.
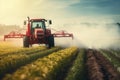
[(26, 41)]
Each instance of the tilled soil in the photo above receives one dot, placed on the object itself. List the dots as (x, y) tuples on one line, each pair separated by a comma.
[(99, 68)]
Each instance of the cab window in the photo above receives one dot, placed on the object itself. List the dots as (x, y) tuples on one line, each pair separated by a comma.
[(37, 25)]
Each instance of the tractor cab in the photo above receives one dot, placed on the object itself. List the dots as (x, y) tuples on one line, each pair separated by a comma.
[(37, 27), (39, 23), (37, 33)]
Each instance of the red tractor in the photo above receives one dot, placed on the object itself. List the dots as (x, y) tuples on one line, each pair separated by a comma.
[(37, 33)]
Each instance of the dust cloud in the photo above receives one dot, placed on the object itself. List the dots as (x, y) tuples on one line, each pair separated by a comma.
[(92, 35)]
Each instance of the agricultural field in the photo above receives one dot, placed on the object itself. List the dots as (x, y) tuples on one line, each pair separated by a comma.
[(57, 63), (59, 39)]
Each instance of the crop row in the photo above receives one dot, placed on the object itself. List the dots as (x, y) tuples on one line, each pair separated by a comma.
[(77, 71), (12, 62), (112, 58), (115, 51), (9, 50), (21, 50), (109, 71), (99, 67), (27, 52), (47, 68)]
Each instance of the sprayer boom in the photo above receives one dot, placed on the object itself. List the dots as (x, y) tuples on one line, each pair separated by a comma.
[(14, 34), (62, 33)]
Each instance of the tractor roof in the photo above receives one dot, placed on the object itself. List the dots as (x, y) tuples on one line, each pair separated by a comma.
[(37, 20)]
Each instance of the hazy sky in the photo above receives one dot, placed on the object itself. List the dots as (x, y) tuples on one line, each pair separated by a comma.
[(16, 11)]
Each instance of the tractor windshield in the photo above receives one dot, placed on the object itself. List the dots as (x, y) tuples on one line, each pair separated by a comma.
[(37, 25)]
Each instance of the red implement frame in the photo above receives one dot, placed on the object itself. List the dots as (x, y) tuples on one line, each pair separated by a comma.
[(62, 33), (14, 34), (58, 34)]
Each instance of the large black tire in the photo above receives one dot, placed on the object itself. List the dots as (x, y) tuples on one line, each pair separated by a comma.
[(26, 41), (51, 41)]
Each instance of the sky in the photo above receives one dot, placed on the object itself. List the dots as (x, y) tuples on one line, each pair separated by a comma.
[(60, 11)]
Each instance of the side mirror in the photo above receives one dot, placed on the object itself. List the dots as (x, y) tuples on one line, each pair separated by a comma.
[(50, 22), (24, 22)]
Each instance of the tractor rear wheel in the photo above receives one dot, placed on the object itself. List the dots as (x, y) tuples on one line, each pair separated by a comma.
[(51, 41), (26, 41)]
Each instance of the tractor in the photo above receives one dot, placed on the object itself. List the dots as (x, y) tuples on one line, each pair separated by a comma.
[(37, 33)]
